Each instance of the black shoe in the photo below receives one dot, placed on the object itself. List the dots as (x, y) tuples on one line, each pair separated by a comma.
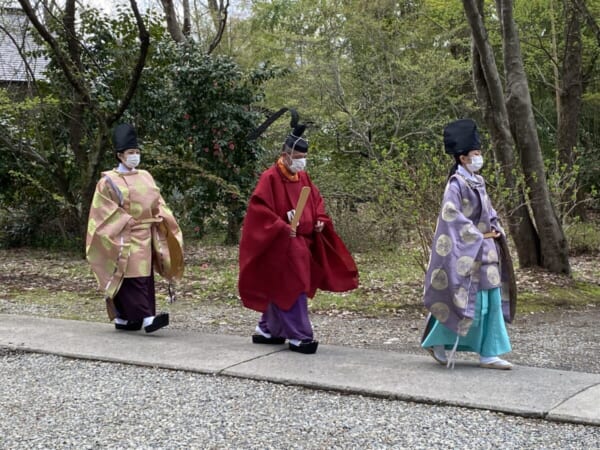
[(129, 326), (260, 339), (162, 320), (306, 347)]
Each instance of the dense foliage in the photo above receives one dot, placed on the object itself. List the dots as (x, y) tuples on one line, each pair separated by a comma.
[(197, 126), (375, 80), (380, 79), (193, 113)]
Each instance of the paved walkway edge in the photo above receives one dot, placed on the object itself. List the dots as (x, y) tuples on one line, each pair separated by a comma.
[(549, 394)]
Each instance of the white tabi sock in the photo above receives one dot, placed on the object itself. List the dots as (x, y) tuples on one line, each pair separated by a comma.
[(295, 342), (488, 359), (120, 321), (264, 333), (148, 321)]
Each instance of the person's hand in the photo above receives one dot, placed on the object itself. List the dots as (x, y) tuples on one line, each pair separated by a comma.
[(496, 234), (292, 232), (319, 226), (290, 214)]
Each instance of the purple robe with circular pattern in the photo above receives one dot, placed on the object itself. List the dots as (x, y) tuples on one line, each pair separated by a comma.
[(462, 261)]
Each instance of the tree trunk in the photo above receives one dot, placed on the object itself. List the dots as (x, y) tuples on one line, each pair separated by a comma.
[(490, 95), (571, 92), (553, 244), (235, 216), (93, 172), (171, 17), (78, 105), (509, 116), (187, 21), (555, 58)]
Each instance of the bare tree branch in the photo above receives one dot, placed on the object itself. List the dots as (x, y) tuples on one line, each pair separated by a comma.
[(137, 70), (22, 55), (592, 23), (220, 18), (589, 18), (68, 67), (22, 148)]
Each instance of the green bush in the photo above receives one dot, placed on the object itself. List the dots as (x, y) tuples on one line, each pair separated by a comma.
[(15, 229), (583, 238), (385, 202), (35, 226)]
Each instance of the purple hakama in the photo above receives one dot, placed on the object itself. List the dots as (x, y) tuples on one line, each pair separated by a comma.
[(291, 324), (136, 299)]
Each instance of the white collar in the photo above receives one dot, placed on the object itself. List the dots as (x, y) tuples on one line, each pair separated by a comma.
[(466, 174), (124, 169)]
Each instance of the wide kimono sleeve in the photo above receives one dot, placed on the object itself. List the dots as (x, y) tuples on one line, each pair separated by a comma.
[(507, 272), (167, 244), (451, 281), (108, 237), (333, 268)]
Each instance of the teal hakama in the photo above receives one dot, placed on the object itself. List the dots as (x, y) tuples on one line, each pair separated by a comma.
[(487, 335)]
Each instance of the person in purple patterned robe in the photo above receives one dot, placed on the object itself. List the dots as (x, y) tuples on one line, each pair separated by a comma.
[(467, 280)]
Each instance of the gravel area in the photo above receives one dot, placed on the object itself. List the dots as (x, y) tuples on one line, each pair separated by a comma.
[(51, 402)]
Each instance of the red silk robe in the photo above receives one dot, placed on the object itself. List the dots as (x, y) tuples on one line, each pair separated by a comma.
[(275, 267)]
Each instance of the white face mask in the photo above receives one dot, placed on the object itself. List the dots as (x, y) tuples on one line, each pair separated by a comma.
[(476, 163), (132, 161), (298, 164)]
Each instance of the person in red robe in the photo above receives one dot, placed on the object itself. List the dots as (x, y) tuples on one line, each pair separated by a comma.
[(281, 267)]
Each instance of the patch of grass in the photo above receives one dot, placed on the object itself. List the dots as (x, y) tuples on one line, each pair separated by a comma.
[(578, 294), (211, 275), (56, 284), (54, 303), (583, 237), (379, 267), (358, 302), (390, 282)]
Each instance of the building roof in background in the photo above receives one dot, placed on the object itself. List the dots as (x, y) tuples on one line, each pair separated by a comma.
[(16, 40)]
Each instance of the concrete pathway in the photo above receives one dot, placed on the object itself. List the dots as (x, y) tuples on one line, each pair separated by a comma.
[(526, 391)]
